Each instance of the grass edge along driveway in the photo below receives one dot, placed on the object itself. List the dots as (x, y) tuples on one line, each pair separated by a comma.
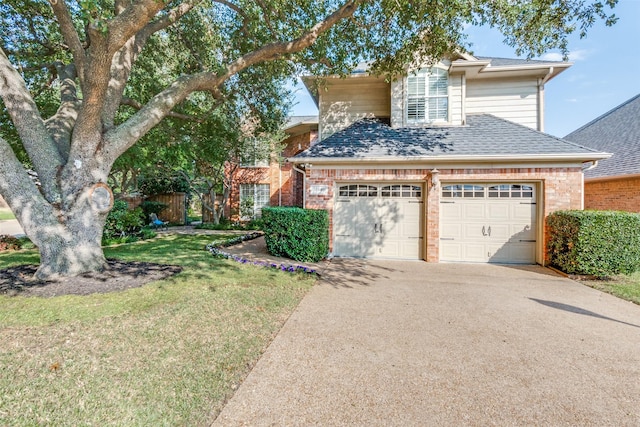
[(168, 353)]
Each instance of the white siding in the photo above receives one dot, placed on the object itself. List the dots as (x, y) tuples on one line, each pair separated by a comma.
[(345, 101), (514, 100), (397, 102), (455, 99)]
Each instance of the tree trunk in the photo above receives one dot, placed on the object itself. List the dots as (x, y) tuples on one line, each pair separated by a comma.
[(61, 256), (69, 241)]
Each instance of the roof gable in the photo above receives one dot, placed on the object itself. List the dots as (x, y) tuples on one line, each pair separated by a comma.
[(616, 131)]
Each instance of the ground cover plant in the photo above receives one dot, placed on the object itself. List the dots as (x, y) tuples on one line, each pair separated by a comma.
[(166, 353)]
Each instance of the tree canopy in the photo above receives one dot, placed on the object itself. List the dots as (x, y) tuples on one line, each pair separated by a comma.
[(82, 81)]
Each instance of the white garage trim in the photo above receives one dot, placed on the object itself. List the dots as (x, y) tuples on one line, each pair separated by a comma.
[(378, 220), (489, 222)]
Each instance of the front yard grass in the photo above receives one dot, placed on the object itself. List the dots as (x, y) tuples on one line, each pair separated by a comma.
[(168, 353), (623, 286), (6, 214)]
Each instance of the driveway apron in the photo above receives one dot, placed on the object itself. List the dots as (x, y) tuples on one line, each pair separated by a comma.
[(412, 344)]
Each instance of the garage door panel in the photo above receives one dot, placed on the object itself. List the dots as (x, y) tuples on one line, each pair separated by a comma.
[(373, 225), (498, 211), (523, 211), (520, 232), (473, 211), (500, 232), (511, 253), (451, 231), (450, 251), (473, 231), (475, 252), (451, 210), (491, 223)]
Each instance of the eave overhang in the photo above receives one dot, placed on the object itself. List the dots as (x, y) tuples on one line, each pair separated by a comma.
[(453, 159)]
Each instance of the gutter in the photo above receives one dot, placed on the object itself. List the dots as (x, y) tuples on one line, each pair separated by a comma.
[(579, 157)]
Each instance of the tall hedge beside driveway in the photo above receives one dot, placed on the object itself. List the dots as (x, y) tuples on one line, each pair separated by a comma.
[(299, 234), (599, 243)]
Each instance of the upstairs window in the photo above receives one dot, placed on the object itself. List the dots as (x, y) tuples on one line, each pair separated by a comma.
[(255, 155), (427, 96)]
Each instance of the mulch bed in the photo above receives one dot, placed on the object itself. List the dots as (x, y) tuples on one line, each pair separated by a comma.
[(118, 277)]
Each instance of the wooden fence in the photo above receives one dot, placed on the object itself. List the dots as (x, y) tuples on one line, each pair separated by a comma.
[(176, 210)]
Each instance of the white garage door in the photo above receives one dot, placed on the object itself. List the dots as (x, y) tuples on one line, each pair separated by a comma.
[(488, 223), (380, 220)]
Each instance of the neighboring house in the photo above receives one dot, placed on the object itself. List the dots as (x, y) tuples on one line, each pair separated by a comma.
[(615, 183), (270, 181), (448, 163)]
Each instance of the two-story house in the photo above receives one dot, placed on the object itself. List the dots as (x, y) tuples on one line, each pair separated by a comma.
[(269, 180), (446, 163)]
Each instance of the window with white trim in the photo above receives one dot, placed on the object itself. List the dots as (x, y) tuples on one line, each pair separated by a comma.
[(256, 155), (253, 197), (428, 96)]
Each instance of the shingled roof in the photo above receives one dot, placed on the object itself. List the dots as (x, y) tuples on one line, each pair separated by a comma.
[(483, 137), (617, 132)]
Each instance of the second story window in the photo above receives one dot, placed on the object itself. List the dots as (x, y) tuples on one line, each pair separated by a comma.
[(256, 154), (427, 96)]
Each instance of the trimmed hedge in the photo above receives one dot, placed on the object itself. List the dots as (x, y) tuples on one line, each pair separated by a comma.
[(299, 234), (599, 243)]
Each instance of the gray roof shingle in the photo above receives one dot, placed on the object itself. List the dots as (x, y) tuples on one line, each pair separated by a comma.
[(512, 62), (617, 132), (484, 135)]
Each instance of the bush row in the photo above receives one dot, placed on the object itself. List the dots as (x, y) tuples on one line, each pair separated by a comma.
[(600, 243), (299, 234)]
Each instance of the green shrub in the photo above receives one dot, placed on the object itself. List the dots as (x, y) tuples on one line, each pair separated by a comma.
[(121, 221), (601, 243), (299, 234)]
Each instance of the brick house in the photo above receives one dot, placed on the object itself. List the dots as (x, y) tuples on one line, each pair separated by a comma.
[(259, 182), (446, 163), (615, 183)]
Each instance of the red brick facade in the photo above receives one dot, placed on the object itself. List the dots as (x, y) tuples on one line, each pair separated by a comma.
[(615, 194), (558, 188), (284, 182)]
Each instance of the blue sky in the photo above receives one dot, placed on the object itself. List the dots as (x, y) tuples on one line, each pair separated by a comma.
[(605, 71)]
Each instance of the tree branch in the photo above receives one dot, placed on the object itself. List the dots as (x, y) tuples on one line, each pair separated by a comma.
[(278, 49), (137, 105), (70, 35), (131, 21), (60, 125), (25, 116), (125, 135), (21, 193)]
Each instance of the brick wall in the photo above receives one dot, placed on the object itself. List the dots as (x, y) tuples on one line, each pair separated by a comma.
[(285, 183), (559, 188), (618, 194)]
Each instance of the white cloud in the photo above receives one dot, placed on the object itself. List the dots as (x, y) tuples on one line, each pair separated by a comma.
[(576, 55)]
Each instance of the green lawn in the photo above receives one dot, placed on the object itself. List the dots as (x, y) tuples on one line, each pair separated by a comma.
[(623, 286), (168, 353), (6, 214)]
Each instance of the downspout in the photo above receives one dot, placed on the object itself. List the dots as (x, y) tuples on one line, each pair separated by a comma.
[(304, 185), (541, 83), (584, 169)]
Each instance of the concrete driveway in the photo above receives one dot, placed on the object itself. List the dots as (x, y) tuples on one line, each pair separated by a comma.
[(414, 344)]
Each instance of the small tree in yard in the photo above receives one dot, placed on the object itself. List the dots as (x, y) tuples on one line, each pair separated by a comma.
[(83, 81)]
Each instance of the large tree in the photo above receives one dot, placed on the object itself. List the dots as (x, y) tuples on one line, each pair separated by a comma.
[(66, 67)]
